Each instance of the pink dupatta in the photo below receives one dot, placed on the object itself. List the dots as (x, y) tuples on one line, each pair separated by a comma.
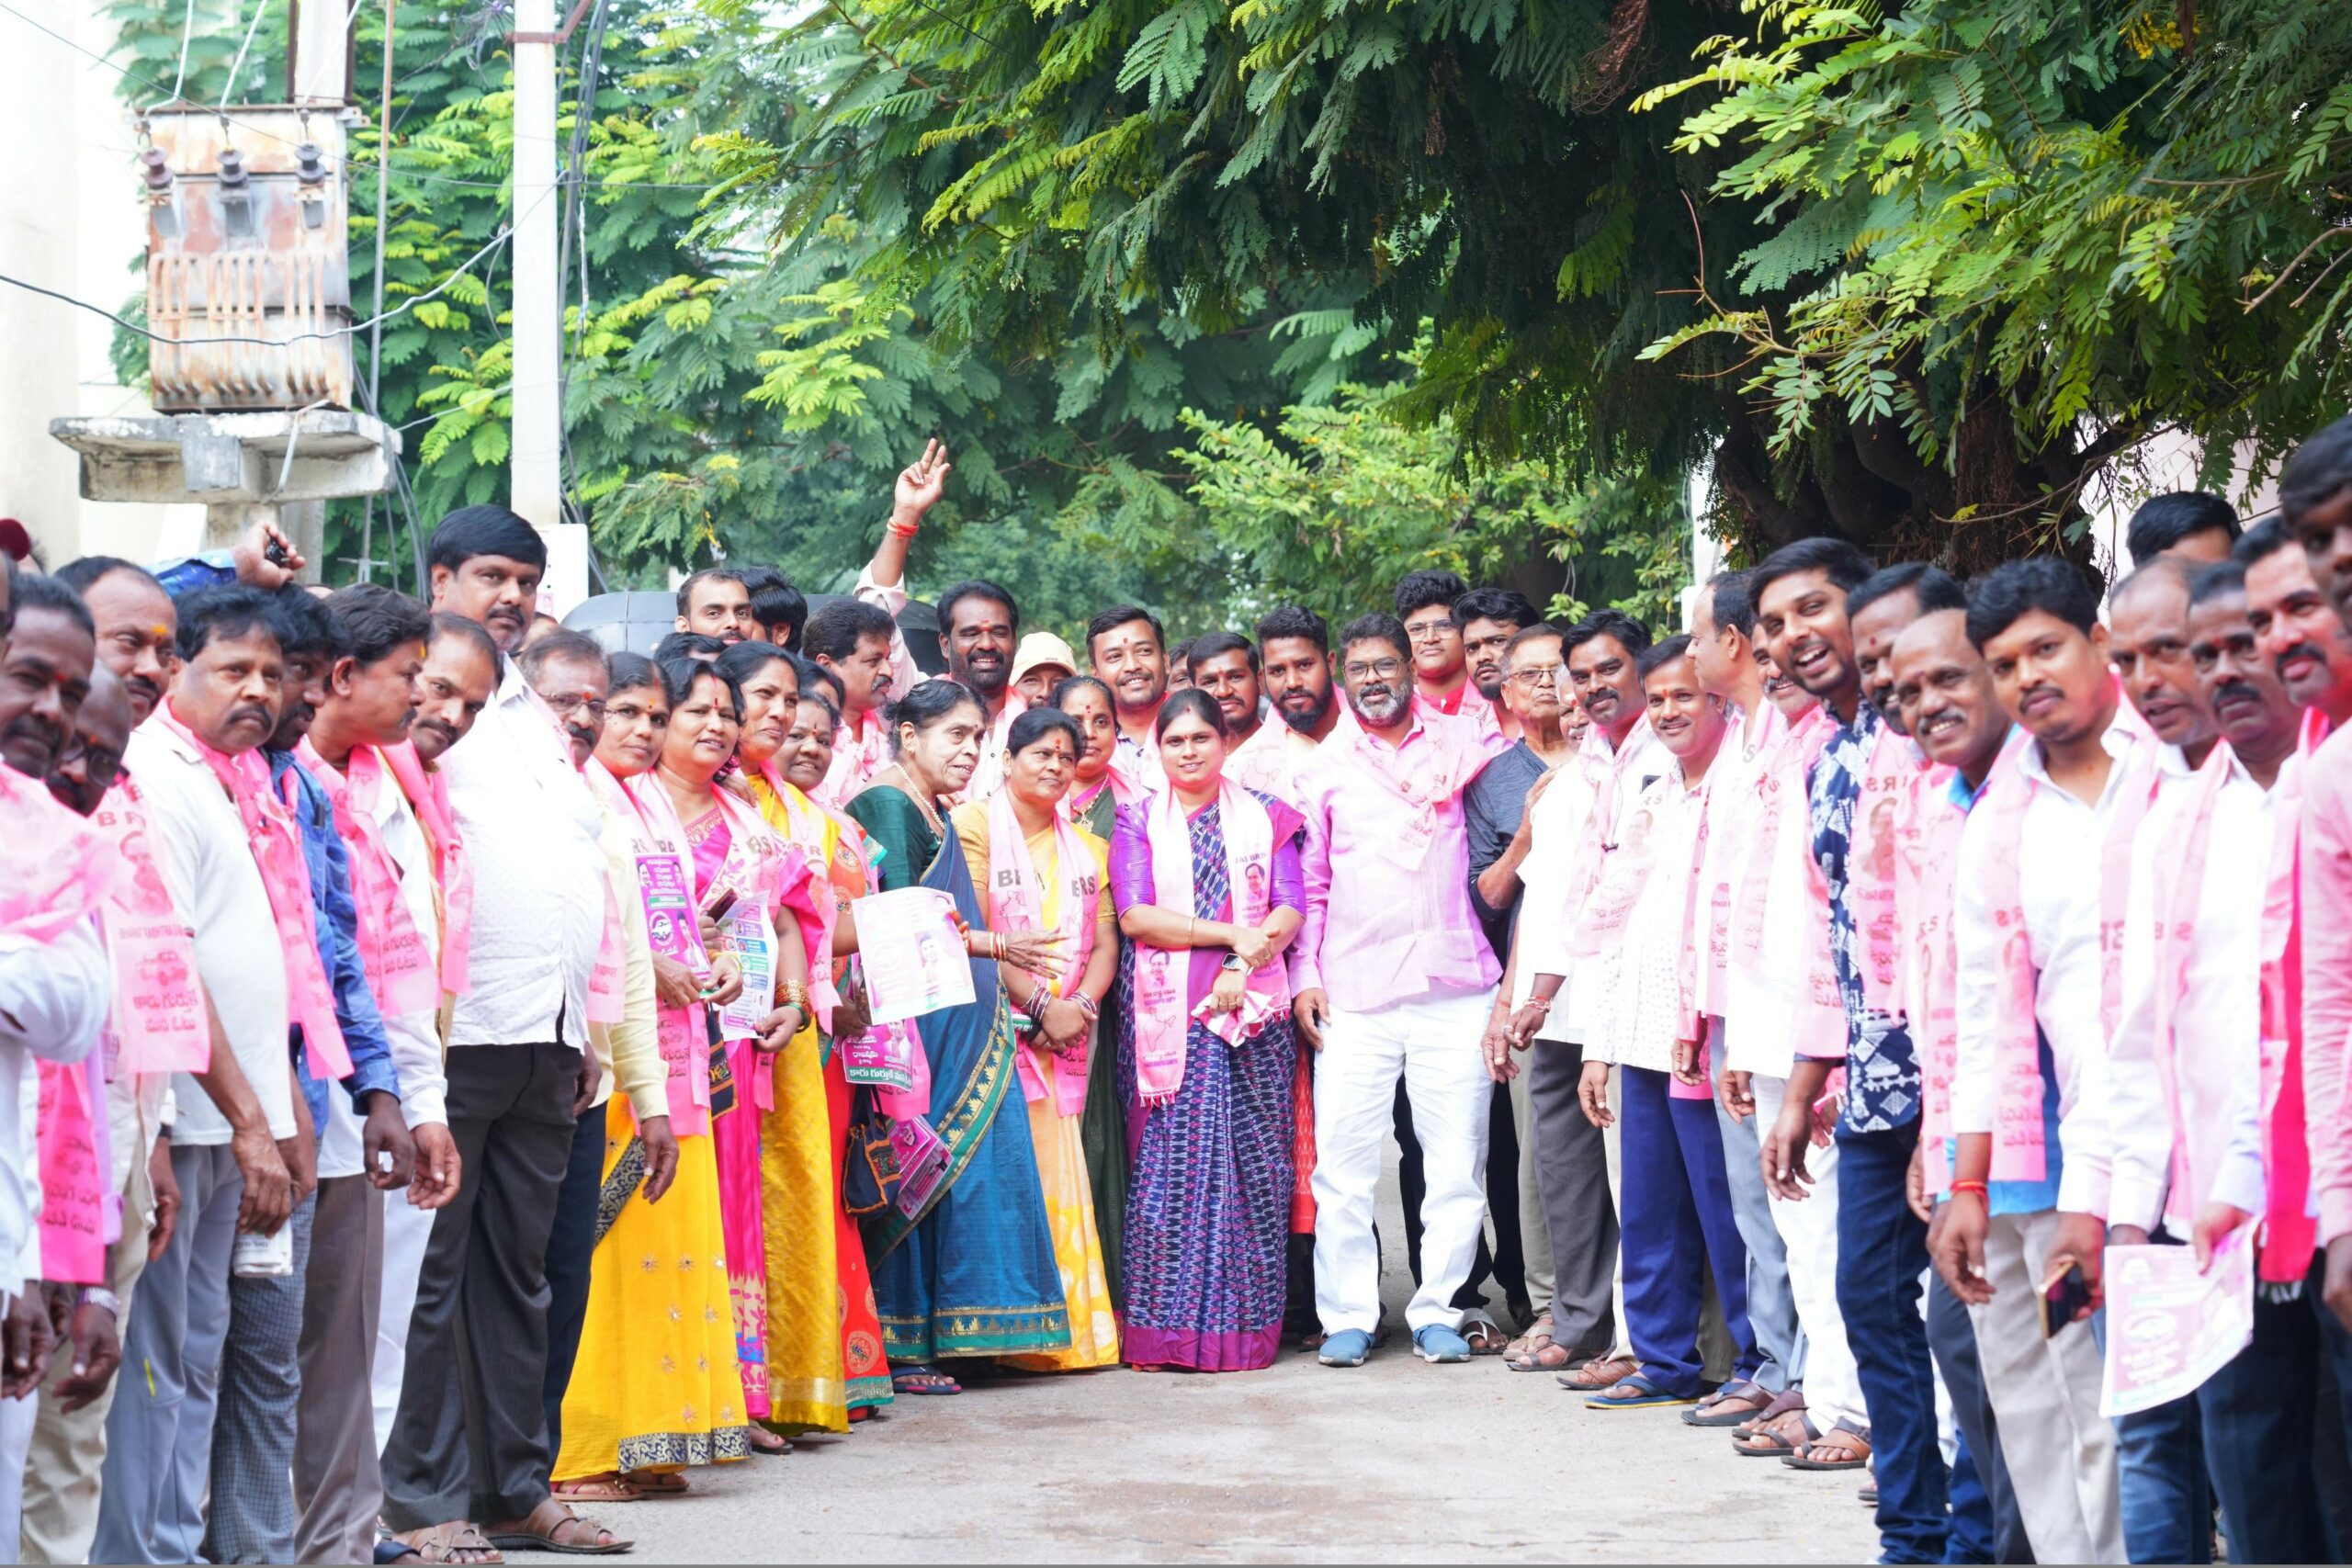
[(759, 865), (158, 1024), (428, 796), (53, 869), (391, 949), (276, 844), (1780, 918), (1162, 977), (1016, 902)]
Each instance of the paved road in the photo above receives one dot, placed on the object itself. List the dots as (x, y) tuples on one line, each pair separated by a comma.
[(1395, 1461)]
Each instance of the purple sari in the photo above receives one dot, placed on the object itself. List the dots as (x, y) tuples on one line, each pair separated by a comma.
[(1208, 1198)]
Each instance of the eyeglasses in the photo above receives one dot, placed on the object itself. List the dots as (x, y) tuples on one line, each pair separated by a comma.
[(1426, 631), (596, 705), (1540, 674), (1380, 669)]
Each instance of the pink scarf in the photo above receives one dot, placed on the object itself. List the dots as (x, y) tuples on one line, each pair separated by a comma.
[(662, 864), (1016, 902), (276, 845), (1604, 879), (1779, 926), (80, 1213), (53, 867), (1447, 758), (1731, 796), (158, 1024), (804, 824), (400, 970), (2018, 1152), (761, 865), (428, 796), (1894, 764), (1162, 978)]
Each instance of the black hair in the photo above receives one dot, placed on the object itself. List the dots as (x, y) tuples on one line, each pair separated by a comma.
[(1535, 633), (2320, 468), (814, 675), (490, 530), (1035, 723), (688, 645), (1191, 700), (1504, 604), (2262, 541), (708, 574), (305, 629), (1119, 615), (78, 574), (1377, 626), (748, 658), (1294, 620), (2164, 521), (1070, 686), (230, 611), (376, 620), (2217, 579), (927, 703), (36, 591), (1731, 600), (1631, 635), (569, 645), (1931, 588), (2016, 587), (1843, 563), (835, 631), (679, 675), (631, 670), (1419, 590), (447, 623), (776, 604), (977, 588), (1208, 644), (1180, 654), (1659, 655), (815, 693)]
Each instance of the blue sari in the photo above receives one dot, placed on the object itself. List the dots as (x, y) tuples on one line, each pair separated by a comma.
[(973, 1274)]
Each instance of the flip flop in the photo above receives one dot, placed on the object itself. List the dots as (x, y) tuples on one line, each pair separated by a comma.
[(923, 1380), (1803, 1459), (1774, 1441), (1598, 1374), (659, 1484), (1711, 1412), (597, 1489), (1482, 1333), (1647, 1395), (1782, 1403)]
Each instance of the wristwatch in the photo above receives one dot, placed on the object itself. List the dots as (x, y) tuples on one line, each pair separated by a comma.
[(1233, 963), (93, 1296)]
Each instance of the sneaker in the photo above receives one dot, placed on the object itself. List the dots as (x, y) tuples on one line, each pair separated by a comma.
[(1347, 1347), (1438, 1343)]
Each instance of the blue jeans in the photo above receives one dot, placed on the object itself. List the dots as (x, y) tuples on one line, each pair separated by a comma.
[(2260, 1412), (1882, 1251), (2162, 1493), (570, 1248), (1676, 1221)]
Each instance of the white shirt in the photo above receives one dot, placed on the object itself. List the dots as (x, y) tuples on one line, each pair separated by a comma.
[(1558, 831), (2059, 877), (1636, 994), (53, 1001), (207, 863), (2219, 1004), (531, 828), (415, 1038)]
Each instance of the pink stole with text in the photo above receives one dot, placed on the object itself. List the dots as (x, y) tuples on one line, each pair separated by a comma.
[(1016, 902), (1162, 977)]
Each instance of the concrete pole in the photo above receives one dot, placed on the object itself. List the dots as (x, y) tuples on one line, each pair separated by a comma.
[(536, 454)]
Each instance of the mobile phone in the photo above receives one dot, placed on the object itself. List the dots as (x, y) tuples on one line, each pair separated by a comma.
[(2064, 1300), (274, 553), (721, 905)]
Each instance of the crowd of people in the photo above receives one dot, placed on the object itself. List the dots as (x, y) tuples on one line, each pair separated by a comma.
[(440, 1091)]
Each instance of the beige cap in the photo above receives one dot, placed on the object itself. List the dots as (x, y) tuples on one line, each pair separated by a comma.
[(1042, 649)]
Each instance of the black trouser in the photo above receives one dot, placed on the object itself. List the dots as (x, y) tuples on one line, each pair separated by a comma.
[(570, 1246), (1505, 1262), (470, 1440)]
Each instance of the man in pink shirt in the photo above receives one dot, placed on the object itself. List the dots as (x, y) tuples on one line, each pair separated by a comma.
[(1392, 977)]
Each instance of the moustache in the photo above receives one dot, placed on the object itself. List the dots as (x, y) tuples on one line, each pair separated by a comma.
[(2236, 692), (249, 711)]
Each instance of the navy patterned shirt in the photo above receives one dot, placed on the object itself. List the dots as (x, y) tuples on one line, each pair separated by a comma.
[(1883, 1087)]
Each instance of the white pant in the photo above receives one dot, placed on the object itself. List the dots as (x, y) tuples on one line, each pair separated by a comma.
[(17, 1419), (1833, 1390), (2059, 1449), (1433, 1039), (406, 1230)]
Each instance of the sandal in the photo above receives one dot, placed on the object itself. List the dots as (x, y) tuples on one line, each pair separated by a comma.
[(1538, 1334), (1645, 1395), (923, 1378), (774, 1444), (1484, 1335), (1786, 1401), (659, 1484), (457, 1540), (1550, 1356), (609, 1487), (1600, 1373), (553, 1527), (1730, 1405), (1778, 1439), (1840, 1448)]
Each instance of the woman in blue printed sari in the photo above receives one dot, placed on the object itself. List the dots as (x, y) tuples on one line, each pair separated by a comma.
[(973, 1272)]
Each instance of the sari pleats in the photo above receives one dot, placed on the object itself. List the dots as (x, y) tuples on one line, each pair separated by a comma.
[(806, 1390)]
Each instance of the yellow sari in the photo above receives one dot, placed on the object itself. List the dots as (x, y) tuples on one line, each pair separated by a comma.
[(1061, 1157)]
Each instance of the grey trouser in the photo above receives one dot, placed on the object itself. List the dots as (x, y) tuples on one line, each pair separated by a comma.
[(159, 1434), (1771, 1305), (1572, 1171), (337, 1487), (252, 1440), (470, 1440)]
